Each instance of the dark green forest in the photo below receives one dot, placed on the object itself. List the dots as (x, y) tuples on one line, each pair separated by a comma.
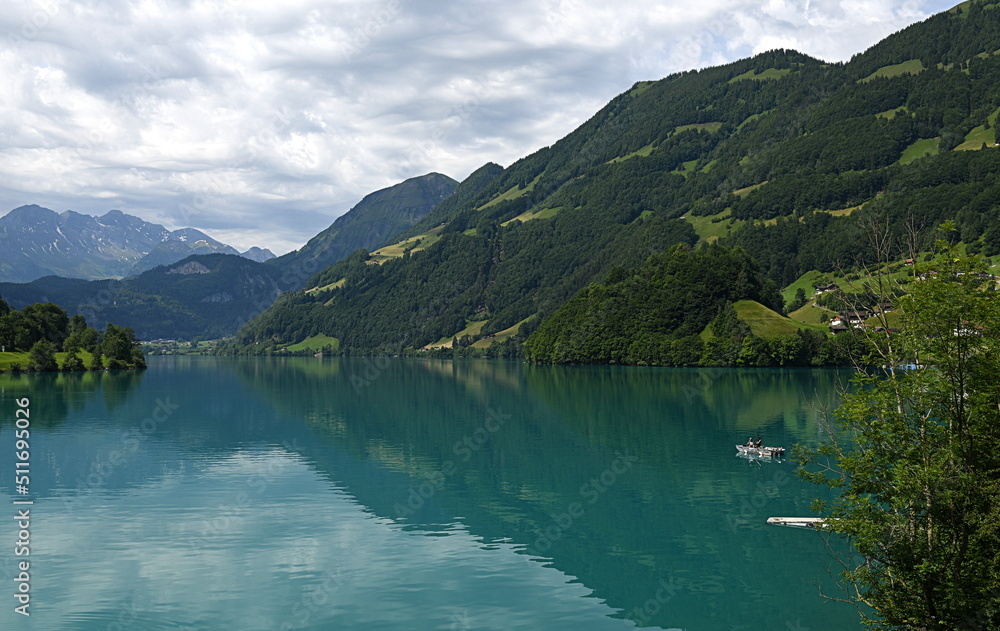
[(657, 314), (786, 157), (203, 296)]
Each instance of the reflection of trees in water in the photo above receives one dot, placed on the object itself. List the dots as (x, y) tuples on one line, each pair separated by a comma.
[(116, 385), (54, 395), (390, 427)]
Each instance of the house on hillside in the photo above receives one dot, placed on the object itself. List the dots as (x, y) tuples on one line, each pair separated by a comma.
[(856, 317), (820, 289)]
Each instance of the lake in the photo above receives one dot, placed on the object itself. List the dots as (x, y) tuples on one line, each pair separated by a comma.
[(348, 493)]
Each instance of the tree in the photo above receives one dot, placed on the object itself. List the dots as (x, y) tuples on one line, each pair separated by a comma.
[(916, 469), (73, 361), (120, 347), (42, 356), (798, 301)]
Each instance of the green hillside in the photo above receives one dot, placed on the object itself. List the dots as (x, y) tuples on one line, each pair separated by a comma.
[(756, 154), (201, 296), (371, 223)]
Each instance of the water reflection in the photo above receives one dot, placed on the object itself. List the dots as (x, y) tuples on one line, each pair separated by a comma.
[(487, 494)]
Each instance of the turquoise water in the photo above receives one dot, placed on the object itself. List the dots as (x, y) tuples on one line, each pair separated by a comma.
[(302, 493)]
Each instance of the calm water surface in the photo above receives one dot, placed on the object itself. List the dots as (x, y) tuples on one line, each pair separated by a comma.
[(301, 493)]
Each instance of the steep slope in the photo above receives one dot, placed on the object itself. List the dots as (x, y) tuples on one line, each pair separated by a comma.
[(36, 242), (782, 154), (200, 296), (370, 224)]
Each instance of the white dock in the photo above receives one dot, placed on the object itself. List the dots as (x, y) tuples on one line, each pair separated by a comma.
[(797, 522)]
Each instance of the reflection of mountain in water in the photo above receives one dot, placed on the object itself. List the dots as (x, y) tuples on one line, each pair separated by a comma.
[(567, 427), (620, 477)]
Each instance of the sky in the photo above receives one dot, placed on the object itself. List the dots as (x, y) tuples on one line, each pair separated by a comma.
[(260, 122)]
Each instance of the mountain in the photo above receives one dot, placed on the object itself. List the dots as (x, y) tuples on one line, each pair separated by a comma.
[(258, 254), (791, 158), (200, 296), (371, 223), (36, 242)]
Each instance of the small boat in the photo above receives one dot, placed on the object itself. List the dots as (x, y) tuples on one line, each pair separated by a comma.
[(763, 452)]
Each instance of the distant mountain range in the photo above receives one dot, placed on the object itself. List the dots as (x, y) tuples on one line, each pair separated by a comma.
[(36, 242), (209, 295), (203, 289)]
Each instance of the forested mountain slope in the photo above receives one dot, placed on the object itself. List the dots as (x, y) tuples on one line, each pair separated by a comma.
[(370, 223), (201, 296), (781, 154)]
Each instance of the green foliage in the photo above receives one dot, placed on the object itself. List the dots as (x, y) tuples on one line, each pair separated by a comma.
[(815, 139), (501, 274), (916, 468), (38, 331), (637, 316), (219, 294), (42, 356), (370, 224), (121, 349), (73, 361)]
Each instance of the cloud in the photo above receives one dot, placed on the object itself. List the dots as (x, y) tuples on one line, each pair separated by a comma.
[(264, 121)]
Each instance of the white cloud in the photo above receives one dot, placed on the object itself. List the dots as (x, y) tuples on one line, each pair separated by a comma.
[(262, 121)]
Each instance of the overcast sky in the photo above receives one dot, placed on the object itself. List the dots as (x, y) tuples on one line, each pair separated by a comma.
[(260, 122)]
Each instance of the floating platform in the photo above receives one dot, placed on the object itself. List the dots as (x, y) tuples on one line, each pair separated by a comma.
[(797, 522)]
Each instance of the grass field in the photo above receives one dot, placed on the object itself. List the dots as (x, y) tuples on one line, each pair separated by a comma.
[(891, 114), (913, 66), (747, 189), (812, 313), (336, 285), (709, 127), (472, 329), (920, 149), (640, 87), (641, 153), (528, 215), (806, 282), (709, 230), (501, 335), (979, 135), (687, 168), (769, 74), (315, 343), (22, 359), (396, 250), (512, 193), (767, 323)]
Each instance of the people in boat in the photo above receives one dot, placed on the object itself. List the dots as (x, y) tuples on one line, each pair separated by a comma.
[(757, 444), (749, 442)]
